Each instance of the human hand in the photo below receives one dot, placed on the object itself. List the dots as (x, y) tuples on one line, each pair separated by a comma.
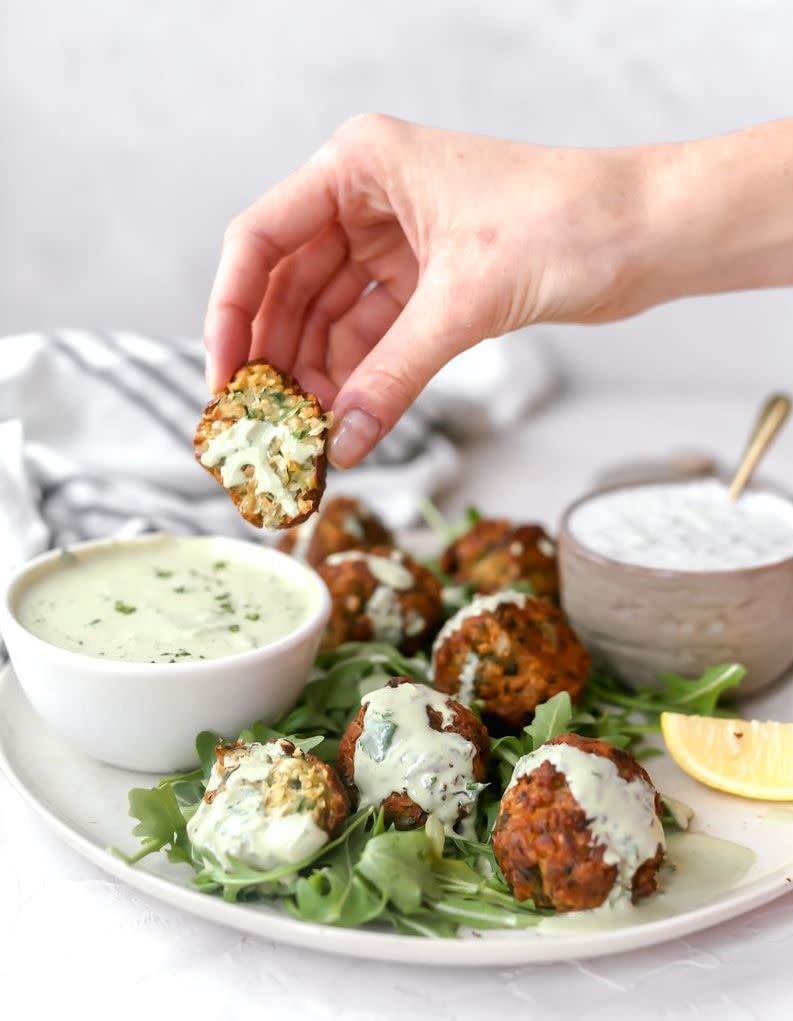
[(396, 247)]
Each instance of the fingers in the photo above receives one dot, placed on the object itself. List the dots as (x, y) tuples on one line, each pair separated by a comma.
[(354, 335), (427, 334), (286, 217), (340, 295), (293, 285)]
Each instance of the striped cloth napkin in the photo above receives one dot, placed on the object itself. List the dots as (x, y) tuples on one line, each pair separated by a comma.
[(96, 437)]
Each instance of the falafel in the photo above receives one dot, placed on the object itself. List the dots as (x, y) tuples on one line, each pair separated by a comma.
[(341, 524), (267, 804), (579, 825), (413, 751), (263, 440), (509, 652), (495, 553), (383, 595)]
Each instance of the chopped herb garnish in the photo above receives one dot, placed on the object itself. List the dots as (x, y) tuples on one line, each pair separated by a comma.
[(251, 616), (96, 620), (234, 627), (220, 564), (163, 574), (180, 589), (226, 607), (223, 595), (122, 607), (183, 652)]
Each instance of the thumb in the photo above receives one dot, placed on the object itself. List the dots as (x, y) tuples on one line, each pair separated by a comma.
[(427, 334)]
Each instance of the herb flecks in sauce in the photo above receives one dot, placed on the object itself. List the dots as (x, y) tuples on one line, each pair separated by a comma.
[(175, 607)]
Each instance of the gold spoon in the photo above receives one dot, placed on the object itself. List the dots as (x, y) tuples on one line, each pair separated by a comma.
[(770, 420)]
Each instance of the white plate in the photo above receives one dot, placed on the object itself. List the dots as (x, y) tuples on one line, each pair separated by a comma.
[(86, 803)]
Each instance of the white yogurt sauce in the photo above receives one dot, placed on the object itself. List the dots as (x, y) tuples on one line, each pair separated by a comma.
[(398, 752), (620, 813), (389, 570), (477, 606), (383, 608), (690, 526), (467, 690), (263, 446), (238, 822), (168, 600)]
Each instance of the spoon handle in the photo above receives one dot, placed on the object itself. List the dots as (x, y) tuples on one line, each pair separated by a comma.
[(770, 420)]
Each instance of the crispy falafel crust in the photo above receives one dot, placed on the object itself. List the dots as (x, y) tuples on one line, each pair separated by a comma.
[(544, 846), (332, 535), (399, 809), (495, 553), (352, 585), (332, 800), (224, 410), (526, 655)]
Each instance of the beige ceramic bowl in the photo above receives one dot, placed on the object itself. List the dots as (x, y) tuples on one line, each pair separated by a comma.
[(642, 621)]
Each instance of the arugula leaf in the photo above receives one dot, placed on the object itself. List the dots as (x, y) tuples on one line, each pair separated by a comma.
[(551, 719), (160, 821), (205, 745), (398, 863), (335, 894)]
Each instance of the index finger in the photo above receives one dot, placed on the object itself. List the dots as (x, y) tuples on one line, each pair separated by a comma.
[(280, 221)]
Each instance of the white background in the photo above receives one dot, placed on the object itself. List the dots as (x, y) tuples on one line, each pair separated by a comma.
[(132, 132)]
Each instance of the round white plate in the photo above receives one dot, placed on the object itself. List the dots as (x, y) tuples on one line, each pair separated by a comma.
[(86, 803)]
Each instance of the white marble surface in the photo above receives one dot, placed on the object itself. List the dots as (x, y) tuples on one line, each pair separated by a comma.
[(70, 937)]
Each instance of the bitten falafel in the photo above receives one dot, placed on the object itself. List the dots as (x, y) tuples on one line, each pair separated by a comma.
[(509, 651), (495, 553), (579, 825), (413, 751), (381, 595), (267, 804), (341, 524), (263, 439)]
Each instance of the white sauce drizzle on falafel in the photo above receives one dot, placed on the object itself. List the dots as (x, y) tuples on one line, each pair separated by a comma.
[(478, 606), (390, 623), (620, 814), (466, 693), (254, 811), (389, 570), (268, 448), (399, 752)]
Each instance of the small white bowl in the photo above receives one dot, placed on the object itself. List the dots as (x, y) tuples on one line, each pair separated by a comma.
[(145, 716)]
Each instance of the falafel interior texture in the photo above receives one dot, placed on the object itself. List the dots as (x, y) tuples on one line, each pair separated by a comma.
[(263, 440)]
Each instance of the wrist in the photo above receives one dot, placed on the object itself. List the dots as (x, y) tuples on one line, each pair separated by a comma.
[(716, 215)]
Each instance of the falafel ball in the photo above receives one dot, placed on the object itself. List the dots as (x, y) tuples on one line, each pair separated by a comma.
[(509, 652), (342, 524), (413, 752), (495, 553), (381, 595), (263, 440), (579, 825), (267, 804)]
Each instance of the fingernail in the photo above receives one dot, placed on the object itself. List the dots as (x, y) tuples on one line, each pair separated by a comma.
[(353, 438)]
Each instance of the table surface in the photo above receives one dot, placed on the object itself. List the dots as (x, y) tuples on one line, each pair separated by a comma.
[(70, 936)]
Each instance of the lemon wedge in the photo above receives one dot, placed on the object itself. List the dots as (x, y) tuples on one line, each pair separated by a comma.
[(744, 757)]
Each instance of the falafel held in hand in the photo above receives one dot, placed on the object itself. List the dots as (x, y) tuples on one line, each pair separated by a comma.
[(396, 247)]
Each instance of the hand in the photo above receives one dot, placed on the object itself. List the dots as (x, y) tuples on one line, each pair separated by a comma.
[(396, 247)]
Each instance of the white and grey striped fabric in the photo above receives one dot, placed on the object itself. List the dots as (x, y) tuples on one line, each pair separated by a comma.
[(96, 438)]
